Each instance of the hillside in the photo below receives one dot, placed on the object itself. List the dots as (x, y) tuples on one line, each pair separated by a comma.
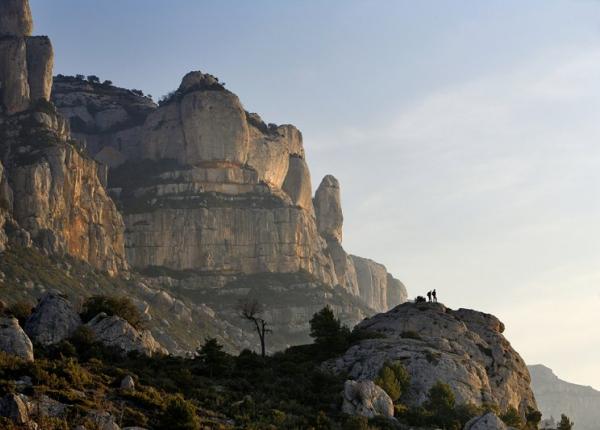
[(556, 396)]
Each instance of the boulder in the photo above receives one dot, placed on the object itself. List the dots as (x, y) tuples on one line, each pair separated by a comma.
[(328, 209), (488, 421), (103, 420), (11, 406), (366, 399), (13, 339), (54, 319), (127, 383), (437, 344), (114, 331), (15, 18)]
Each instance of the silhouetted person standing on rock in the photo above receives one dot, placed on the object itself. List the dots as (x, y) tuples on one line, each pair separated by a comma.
[(429, 295), (434, 294)]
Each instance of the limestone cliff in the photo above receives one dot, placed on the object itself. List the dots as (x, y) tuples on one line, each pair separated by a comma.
[(51, 192), (205, 186), (106, 119), (464, 348), (555, 397)]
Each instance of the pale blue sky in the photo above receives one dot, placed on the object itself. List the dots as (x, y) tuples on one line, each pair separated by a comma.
[(465, 133)]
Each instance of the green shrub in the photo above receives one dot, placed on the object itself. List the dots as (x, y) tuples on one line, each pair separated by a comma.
[(20, 310), (119, 306), (331, 337), (214, 361), (179, 414), (512, 418), (440, 404), (565, 423), (533, 418), (356, 423), (394, 379)]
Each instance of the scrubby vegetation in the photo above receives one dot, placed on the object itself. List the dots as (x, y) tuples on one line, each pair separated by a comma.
[(216, 390), (119, 306)]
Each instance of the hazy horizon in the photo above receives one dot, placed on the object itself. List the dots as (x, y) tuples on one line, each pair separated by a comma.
[(464, 134)]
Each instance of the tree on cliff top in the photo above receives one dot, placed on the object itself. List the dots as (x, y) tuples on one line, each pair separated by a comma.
[(251, 311)]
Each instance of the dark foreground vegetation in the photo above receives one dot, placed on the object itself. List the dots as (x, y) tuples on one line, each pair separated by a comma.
[(216, 390)]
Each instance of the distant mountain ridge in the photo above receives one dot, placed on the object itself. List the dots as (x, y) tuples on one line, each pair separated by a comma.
[(555, 397)]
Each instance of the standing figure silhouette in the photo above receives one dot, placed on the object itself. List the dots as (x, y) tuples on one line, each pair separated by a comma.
[(429, 295), (434, 294)]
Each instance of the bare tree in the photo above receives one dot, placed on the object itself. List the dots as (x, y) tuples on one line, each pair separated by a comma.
[(251, 311)]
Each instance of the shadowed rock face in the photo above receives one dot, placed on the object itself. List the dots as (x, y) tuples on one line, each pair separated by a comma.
[(555, 397), (463, 348), (53, 320)]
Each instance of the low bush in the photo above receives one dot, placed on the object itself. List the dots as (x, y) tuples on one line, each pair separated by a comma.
[(119, 306)]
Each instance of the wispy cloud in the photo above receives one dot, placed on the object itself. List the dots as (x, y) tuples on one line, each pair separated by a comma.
[(486, 191)]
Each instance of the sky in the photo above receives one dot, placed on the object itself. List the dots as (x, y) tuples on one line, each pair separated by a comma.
[(465, 134)]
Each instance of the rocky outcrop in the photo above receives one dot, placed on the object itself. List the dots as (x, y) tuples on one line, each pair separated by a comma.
[(556, 396), (297, 184), (54, 196), (53, 320), (57, 195), (359, 276), (107, 119), (15, 18), (114, 331), (214, 189), (328, 209), (464, 348), (13, 339), (366, 399), (488, 421), (40, 62), (25, 62)]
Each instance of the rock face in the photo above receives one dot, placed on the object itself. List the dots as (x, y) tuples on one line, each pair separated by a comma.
[(328, 207), (116, 332), (205, 186), (488, 421), (15, 18), (463, 348), (555, 397), (11, 406), (107, 119), (378, 289), (366, 399), (25, 62), (53, 320), (13, 339), (52, 192)]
